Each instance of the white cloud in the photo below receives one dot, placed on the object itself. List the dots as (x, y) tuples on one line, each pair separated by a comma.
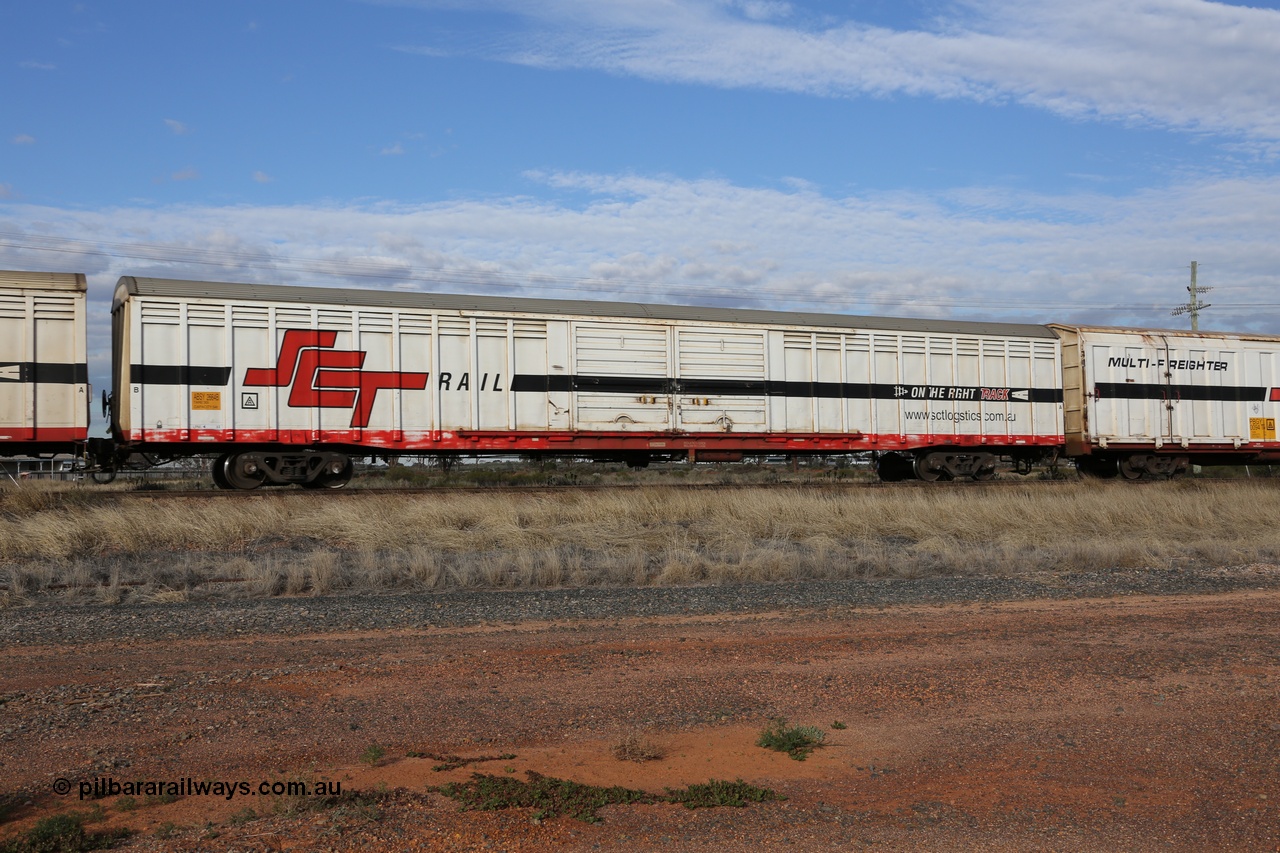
[(24, 139), (760, 10), (262, 177), (978, 253), (187, 174), (392, 150), (1186, 64), (6, 190), (179, 128), (32, 65)]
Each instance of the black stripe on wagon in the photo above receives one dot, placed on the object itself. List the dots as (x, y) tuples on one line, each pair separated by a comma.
[(161, 374), (44, 372), (624, 384), (776, 388), (178, 374), (1156, 391), (529, 382)]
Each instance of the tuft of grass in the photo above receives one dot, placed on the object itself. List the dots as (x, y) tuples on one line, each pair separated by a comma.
[(166, 830), (163, 595), (796, 741), (62, 833), (838, 725), (636, 747), (373, 755), (243, 816), (453, 762), (550, 797), (716, 793), (553, 797)]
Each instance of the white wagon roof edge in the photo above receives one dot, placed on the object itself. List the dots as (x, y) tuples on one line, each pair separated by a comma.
[(1088, 328), (226, 291), (43, 280)]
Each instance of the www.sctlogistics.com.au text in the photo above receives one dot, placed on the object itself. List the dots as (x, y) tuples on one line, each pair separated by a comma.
[(99, 787)]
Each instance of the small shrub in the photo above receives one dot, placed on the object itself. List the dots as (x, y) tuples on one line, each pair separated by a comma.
[(62, 833), (550, 796), (453, 762), (553, 797), (242, 817), (373, 754), (838, 725), (796, 741), (719, 793), (638, 748), (351, 810)]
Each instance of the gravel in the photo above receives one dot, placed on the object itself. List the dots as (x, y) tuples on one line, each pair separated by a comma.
[(57, 623)]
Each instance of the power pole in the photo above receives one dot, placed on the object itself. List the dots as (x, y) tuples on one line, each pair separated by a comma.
[(1195, 306)]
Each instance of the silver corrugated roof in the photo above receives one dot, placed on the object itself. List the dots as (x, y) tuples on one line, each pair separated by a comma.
[(1178, 333), (43, 280), (177, 288)]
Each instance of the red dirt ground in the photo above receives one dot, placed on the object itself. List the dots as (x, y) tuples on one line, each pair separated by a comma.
[(1130, 723)]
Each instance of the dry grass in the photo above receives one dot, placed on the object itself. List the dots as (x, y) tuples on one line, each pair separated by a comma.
[(636, 747), (59, 542)]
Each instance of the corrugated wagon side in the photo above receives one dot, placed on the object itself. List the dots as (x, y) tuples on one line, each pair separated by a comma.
[(44, 375), (285, 384), (1151, 402)]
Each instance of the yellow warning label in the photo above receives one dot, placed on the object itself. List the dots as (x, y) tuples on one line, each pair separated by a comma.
[(1262, 429), (206, 401)]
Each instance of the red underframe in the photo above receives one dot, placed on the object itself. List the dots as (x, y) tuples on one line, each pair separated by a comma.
[(466, 441), (50, 434)]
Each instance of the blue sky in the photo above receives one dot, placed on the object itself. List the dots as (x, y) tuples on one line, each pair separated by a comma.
[(1004, 159)]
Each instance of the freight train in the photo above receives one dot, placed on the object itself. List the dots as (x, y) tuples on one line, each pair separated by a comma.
[(283, 384)]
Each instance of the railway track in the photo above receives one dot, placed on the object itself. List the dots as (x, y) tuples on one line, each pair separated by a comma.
[(276, 493)]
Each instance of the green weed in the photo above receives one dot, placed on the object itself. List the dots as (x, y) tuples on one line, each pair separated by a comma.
[(453, 762), (796, 741), (62, 833), (717, 793), (242, 816), (553, 797)]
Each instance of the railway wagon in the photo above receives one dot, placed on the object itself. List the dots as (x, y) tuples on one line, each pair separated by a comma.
[(1151, 402), (44, 373), (286, 384)]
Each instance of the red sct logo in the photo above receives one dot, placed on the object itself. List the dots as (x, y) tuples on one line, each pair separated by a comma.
[(320, 376)]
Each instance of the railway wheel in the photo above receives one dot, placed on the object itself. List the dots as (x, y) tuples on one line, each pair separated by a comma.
[(216, 469), (926, 473), (1129, 470), (241, 471), (336, 475)]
